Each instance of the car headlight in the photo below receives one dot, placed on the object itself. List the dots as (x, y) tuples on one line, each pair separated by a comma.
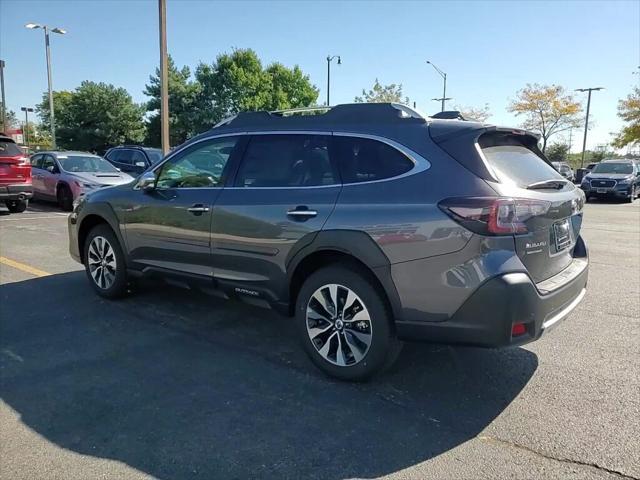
[(624, 181)]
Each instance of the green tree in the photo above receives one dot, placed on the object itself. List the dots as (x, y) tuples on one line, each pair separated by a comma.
[(557, 152), (629, 112), (237, 82), (95, 116), (12, 120), (183, 96), (383, 94), (547, 110)]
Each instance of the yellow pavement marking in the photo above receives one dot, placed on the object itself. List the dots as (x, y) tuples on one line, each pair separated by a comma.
[(23, 267)]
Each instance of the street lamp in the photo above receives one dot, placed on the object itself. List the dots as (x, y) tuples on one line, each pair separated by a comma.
[(444, 88), (330, 58), (586, 121), (4, 103), (60, 31), (26, 111)]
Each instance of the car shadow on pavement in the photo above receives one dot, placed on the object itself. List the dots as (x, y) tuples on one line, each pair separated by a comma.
[(179, 384)]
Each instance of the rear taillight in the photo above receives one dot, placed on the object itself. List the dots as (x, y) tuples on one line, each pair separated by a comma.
[(494, 215), (23, 161)]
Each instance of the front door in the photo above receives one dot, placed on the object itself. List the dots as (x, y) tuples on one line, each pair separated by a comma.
[(168, 227), (285, 189)]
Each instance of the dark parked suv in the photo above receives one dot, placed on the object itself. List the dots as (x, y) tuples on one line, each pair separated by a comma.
[(368, 224), (133, 159)]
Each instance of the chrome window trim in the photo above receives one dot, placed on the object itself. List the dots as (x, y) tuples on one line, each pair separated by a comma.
[(420, 164)]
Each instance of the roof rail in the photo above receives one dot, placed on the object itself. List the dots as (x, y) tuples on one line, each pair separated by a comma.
[(353, 113), (291, 111)]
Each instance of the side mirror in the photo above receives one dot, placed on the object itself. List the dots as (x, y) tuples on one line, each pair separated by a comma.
[(141, 164), (147, 182)]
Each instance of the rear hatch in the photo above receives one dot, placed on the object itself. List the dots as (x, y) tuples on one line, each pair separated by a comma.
[(535, 204), (14, 165)]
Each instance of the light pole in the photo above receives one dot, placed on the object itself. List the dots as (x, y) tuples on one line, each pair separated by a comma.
[(4, 102), (52, 115), (26, 111), (586, 120), (164, 77), (330, 58), (444, 86)]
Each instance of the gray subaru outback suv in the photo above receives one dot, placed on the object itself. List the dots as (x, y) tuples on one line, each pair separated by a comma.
[(369, 225)]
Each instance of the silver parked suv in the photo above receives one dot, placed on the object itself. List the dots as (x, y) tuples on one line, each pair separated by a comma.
[(369, 224)]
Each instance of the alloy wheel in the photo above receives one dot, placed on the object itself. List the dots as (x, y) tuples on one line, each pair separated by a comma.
[(102, 262), (339, 325)]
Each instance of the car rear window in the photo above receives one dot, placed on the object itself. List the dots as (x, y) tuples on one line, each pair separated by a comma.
[(9, 149), (515, 162)]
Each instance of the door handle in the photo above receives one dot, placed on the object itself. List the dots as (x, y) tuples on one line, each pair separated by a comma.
[(302, 213), (198, 209)]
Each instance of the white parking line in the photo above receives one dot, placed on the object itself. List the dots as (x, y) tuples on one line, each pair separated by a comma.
[(32, 217)]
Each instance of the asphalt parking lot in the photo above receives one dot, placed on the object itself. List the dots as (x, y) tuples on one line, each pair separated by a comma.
[(174, 384)]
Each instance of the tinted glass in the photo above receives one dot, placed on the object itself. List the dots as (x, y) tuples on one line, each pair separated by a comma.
[(48, 162), (82, 163), (366, 160), (286, 161), (123, 156), (613, 167), (201, 166), (36, 161), (154, 155), (9, 149), (517, 164)]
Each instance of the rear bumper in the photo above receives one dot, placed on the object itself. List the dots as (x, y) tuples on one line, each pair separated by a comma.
[(16, 192), (487, 317)]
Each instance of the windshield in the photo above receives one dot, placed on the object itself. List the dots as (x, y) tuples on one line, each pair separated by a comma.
[(82, 163), (612, 167), (9, 149), (155, 156)]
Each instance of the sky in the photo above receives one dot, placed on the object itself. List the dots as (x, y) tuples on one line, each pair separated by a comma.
[(489, 50)]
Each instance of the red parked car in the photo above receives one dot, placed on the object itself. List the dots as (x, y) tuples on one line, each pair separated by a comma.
[(15, 176)]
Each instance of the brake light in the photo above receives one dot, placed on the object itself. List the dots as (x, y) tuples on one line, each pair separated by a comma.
[(494, 215), (518, 329), (23, 161)]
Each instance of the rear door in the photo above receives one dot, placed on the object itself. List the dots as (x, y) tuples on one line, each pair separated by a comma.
[(284, 191), (554, 226)]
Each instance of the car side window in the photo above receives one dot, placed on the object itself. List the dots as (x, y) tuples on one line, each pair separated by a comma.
[(36, 161), (137, 157), (287, 161), (47, 162), (201, 166), (366, 160), (125, 157)]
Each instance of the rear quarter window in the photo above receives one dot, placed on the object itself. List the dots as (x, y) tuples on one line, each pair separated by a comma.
[(366, 160)]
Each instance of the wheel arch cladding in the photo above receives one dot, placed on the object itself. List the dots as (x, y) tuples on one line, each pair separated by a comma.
[(94, 218), (343, 247)]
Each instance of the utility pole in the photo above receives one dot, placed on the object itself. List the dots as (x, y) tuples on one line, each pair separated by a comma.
[(570, 138), (444, 85), (4, 102), (26, 111), (586, 120), (164, 78), (330, 58)]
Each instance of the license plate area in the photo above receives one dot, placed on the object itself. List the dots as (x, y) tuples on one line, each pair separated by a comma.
[(562, 234), (601, 190)]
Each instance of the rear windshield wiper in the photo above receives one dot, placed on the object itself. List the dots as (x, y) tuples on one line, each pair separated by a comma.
[(548, 185)]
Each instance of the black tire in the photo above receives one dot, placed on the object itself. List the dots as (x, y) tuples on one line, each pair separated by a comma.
[(384, 347), (632, 196), (65, 198), (114, 280), (17, 206)]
